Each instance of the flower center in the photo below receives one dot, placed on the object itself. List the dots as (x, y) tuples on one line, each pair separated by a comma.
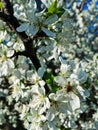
[(69, 88)]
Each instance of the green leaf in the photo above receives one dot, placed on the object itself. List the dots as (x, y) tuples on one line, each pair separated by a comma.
[(49, 78), (0, 41), (1, 5), (60, 11), (53, 7)]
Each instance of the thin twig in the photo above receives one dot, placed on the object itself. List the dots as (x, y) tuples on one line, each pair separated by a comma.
[(82, 5)]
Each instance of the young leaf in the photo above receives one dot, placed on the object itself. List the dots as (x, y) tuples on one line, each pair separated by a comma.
[(53, 7), (51, 82), (1, 5), (60, 11)]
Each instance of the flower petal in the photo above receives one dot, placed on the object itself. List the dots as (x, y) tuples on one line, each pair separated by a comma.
[(32, 30), (22, 27), (32, 5), (41, 71), (48, 32), (51, 19), (74, 101)]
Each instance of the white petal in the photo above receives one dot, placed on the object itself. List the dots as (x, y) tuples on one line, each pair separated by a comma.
[(52, 96), (10, 53), (96, 125), (48, 32), (32, 30), (22, 27), (40, 13), (82, 76), (10, 63), (41, 71), (32, 5), (31, 16), (52, 126), (74, 101), (47, 103), (41, 83), (87, 93), (46, 3), (60, 80), (17, 74), (51, 19), (81, 90), (63, 61)]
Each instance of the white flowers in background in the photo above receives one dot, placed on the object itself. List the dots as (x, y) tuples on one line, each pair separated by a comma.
[(19, 12), (35, 120), (6, 64), (48, 51), (2, 24), (65, 103), (16, 89), (95, 117), (47, 3), (4, 36), (35, 78), (2, 117), (79, 75), (40, 101), (66, 36), (23, 110), (18, 45), (22, 67)]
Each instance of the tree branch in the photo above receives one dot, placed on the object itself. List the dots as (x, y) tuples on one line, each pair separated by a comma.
[(82, 5), (7, 16), (20, 53)]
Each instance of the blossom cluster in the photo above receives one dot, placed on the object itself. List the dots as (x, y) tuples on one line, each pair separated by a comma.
[(67, 50)]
